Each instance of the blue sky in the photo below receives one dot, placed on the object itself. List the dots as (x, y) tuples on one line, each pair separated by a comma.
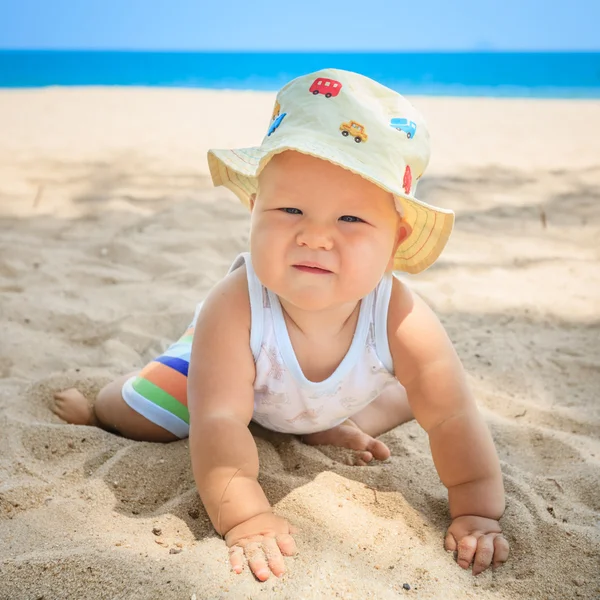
[(300, 24)]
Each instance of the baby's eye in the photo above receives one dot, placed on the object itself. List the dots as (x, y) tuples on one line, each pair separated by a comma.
[(351, 219), (291, 211)]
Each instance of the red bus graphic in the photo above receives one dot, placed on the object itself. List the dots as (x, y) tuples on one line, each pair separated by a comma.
[(328, 87), (407, 183)]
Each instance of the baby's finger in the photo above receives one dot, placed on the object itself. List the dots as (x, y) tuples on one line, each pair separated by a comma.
[(286, 543), (484, 554), (450, 542), (466, 550), (274, 558), (501, 550), (236, 558), (256, 560)]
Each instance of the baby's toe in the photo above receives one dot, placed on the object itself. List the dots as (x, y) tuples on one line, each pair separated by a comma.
[(58, 408), (359, 458), (379, 450), (69, 394)]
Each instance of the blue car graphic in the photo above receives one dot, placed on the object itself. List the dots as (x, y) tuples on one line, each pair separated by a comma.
[(275, 124), (409, 127)]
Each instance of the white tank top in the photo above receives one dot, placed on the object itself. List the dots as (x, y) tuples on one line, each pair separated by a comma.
[(284, 399)]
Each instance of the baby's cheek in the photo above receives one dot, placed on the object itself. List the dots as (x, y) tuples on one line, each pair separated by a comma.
[(372, 254)]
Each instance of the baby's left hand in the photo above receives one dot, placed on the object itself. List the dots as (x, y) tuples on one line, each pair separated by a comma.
[(478, 541)]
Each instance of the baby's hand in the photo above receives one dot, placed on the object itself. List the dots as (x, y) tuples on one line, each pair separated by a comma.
[(263, 540), (478, 541)]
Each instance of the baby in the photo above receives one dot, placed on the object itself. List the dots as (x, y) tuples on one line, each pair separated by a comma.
[(310, 333)]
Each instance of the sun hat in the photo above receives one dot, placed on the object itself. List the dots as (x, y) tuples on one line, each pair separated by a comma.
[(358, 124)]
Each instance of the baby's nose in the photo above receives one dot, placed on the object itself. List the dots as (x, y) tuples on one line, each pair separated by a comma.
[(315, 236)]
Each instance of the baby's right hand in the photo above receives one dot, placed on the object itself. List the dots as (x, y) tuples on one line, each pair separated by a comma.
[(263, 540)]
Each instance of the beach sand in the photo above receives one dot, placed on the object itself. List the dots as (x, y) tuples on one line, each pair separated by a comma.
[(111, 233)]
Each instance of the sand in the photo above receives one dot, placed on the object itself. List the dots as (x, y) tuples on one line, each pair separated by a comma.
[(110, 233)]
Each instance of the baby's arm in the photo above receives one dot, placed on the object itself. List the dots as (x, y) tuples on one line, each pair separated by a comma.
[(427, 365), (223, 453)]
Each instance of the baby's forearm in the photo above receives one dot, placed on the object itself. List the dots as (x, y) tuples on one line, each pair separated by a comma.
[(467, 463), (225, 465)]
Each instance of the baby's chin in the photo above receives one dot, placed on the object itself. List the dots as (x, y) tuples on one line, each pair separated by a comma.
[(312, 299)]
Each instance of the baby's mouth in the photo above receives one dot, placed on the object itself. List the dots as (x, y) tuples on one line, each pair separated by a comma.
[(312, 269)]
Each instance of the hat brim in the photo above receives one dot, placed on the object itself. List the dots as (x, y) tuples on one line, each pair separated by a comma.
[(238, 170)]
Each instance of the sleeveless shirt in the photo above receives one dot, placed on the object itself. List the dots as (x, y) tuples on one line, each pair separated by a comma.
[(284, 399)]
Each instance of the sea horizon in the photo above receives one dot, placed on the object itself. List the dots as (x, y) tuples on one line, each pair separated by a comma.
[(490, 72)]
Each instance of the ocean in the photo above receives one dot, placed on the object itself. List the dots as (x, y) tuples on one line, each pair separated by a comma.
[(505, 74)]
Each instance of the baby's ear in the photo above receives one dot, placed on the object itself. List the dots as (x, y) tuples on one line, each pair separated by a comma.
[(404, 231)]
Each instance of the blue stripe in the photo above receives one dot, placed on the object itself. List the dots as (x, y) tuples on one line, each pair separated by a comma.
[(176, 364)]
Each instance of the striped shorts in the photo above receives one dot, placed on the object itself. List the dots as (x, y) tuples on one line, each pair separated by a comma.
[(159, 391)]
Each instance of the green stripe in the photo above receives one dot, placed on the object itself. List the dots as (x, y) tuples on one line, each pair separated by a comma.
[(159, 397), (187, 338)]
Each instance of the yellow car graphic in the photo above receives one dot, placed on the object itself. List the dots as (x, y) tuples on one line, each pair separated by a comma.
[(356, 130), (276, 110)]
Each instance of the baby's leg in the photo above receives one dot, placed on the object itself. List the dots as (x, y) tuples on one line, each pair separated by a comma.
[(110, 412), (387, 411), (150, 406)]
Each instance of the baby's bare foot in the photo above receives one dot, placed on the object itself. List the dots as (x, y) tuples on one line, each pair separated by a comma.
[(349, 435), (73, 407)]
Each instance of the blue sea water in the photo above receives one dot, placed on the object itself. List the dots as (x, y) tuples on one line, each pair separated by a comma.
[(516, 74)]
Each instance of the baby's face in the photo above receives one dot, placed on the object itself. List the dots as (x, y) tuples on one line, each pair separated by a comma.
[(309, 211)]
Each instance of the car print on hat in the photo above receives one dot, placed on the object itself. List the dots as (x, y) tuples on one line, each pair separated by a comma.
[(276, 110), (407, 181), (328, 87), (356, 130), (409, 127), (275, 124)]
